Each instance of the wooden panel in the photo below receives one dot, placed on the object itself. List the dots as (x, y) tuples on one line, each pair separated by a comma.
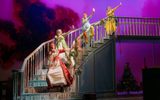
[(87, 77), (105, 68), (99, 70)]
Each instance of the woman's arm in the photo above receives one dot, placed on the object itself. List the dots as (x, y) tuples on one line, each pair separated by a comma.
[(117, 6), (65, 34), (93, 11), (63, 50)]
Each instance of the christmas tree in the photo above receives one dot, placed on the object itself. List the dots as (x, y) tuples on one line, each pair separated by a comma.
[(128, 82)]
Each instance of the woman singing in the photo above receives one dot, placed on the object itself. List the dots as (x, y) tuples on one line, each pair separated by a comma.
[(110, 25), (58, 74)]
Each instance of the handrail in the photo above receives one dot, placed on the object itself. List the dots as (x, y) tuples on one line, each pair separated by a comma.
[(31, 54)]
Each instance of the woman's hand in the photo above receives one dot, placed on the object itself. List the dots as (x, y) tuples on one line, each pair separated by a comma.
[(50, 52), (120, 3), (93, 10), (72, 27), (67, 49), (56, 36)]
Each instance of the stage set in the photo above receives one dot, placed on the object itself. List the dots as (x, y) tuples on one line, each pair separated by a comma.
[(79, 50)]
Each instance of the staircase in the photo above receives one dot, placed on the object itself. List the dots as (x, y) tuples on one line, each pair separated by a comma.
[(29, 83)]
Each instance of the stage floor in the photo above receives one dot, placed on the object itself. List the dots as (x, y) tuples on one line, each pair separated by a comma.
[(124, 98)]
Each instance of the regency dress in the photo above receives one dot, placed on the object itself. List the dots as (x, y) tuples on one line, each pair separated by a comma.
[(110, 25), (87, 29), (58, 74)]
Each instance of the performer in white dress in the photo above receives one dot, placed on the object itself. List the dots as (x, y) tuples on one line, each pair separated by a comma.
[(58, 74)]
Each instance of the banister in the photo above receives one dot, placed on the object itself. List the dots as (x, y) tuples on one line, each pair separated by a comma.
[(31, 54)]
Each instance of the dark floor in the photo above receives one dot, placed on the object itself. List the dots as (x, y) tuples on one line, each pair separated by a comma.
[(124, 98)]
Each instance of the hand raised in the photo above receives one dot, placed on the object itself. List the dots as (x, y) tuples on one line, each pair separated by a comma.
[(120, 3), (93, 9)]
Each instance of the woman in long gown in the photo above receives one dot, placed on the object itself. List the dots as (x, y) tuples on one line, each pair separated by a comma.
[(61, 44), (87, 28), (67, 58), (76, 50), (58, 74), (60, 40), (110, 25)]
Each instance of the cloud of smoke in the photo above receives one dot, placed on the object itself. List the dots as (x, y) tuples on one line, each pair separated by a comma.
[(32, 23)]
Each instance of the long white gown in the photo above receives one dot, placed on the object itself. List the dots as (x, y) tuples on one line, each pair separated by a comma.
[(58, 74)]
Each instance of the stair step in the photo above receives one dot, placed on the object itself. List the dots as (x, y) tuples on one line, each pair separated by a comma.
[(38, 83), (90, 49), (97, 44), (85, 54), (106, 38), (51, 96)]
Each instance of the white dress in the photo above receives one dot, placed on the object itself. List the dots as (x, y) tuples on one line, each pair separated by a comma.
[(58, 74), (55, 73)]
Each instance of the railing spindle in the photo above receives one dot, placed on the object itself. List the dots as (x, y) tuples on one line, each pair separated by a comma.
[(96, 33), (129, 26), (158, 27)]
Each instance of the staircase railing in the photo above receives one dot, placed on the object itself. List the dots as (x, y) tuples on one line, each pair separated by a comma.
[(127, 26), (131, 26)]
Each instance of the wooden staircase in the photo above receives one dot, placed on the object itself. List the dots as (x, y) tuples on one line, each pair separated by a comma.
[(29, 83)]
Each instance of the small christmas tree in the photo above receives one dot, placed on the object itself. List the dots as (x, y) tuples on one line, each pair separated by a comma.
[(128, 82)]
